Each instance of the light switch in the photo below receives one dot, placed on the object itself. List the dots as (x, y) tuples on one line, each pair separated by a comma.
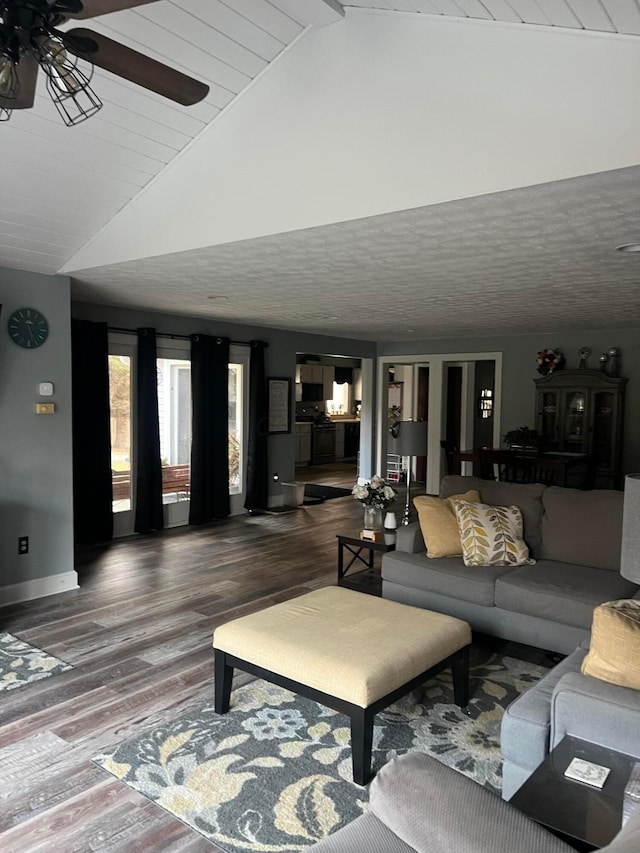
[(46, 389), (45, 408)]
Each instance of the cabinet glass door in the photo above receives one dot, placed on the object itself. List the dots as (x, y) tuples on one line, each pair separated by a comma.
[(604, 413), (548, 419), (574, 427)]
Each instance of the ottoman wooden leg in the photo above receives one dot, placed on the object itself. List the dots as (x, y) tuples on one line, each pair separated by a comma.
[(222, 683), (361, 743), (460, 673)]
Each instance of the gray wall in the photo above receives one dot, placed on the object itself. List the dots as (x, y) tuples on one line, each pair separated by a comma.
[(35, 454), (519, 370), (35, 451)]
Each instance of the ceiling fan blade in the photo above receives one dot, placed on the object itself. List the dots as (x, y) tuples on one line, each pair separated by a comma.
[(140, 69), (93, 8), (27, 71)]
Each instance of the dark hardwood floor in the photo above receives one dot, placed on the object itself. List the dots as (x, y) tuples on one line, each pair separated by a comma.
[(138, 634)]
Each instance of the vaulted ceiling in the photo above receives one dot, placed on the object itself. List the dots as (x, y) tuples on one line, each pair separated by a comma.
[(377, 168)]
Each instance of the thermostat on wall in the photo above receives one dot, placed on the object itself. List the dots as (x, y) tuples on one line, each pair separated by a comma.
[(46, 389)]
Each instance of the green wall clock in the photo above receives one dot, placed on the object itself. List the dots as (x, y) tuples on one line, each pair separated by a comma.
[(28, 328)]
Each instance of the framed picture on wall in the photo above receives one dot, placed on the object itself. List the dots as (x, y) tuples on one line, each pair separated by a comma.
[(279, 401)]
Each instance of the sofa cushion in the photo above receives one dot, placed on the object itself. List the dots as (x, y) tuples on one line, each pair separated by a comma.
[(525, 727), (438, 523), (584, 528), (434, 808), (614, 655), (444, 575), (363, 835), (561, 592), (526, 496), (491, 535)]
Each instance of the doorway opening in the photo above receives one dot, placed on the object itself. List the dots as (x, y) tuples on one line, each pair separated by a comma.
[(444, 389)]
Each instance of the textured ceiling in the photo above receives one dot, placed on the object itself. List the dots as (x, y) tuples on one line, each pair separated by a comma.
[(527, 260)]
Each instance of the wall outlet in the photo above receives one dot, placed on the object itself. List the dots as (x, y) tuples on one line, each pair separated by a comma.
[(23, 544)]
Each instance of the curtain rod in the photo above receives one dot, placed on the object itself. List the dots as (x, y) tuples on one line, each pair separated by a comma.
[(176, 337)]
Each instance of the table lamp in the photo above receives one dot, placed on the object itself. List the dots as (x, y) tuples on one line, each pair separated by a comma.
[(411, 440)]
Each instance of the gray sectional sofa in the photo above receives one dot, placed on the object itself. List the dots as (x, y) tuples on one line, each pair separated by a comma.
[(420, 806), (575, 538), (566, 702)]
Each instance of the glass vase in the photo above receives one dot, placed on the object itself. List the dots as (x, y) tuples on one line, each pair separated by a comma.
[(372, 518)]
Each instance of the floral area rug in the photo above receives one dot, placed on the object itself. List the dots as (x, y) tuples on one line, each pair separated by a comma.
[(274, 774), (22, 664)]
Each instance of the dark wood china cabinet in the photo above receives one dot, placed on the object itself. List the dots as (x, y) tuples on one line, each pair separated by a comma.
[(582, 411)]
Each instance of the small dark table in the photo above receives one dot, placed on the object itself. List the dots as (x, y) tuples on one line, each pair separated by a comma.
[(355, 546), (583, 816)]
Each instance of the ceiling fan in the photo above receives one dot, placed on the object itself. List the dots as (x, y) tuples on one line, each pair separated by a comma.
[(30, 40)]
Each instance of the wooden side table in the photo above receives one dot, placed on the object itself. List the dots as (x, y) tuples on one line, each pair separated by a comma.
[(355, 546), (587, 818)]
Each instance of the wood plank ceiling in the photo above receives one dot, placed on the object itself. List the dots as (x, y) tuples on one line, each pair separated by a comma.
[(60, 185), (612, 16)]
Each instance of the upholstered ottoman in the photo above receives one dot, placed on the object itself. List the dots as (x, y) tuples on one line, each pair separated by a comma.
[(352, 652)]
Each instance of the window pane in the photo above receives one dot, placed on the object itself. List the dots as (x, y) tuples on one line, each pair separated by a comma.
[(339, 405), (174, 412), (235, 429), (120, 405), (174, 417)]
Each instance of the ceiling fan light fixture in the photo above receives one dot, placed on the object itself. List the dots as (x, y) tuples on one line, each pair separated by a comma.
[(68, 83), (74, 107), (9, 86), (31, 41), (9, 82)]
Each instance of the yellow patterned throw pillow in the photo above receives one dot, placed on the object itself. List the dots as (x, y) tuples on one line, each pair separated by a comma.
[(491, 535), (438, 523)]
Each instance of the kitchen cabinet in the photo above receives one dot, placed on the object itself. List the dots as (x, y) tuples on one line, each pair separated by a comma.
[(312, 374), (339, 441), (303, 444), (582, 411), (357, 383), (351, 439)]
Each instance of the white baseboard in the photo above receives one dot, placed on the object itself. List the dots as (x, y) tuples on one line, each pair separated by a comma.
[(38, 588)]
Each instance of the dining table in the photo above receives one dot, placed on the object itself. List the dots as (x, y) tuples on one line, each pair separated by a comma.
[(560, 464)]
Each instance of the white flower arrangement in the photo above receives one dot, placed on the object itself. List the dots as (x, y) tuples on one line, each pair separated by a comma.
[(376, 493)]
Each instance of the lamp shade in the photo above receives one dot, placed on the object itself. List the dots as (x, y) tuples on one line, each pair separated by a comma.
[(412, 438), (630, 552)]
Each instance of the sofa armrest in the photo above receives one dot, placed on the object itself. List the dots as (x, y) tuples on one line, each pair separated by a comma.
[(409, 538), (433, 808), (596, 711)]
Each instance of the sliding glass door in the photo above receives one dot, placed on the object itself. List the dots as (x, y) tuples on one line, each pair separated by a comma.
[(174, 416)]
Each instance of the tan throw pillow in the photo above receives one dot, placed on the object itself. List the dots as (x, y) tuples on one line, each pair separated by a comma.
[(438, 523), (614, 655), (491, 535)]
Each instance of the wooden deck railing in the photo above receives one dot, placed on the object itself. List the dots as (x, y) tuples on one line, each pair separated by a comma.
[(175, 480)]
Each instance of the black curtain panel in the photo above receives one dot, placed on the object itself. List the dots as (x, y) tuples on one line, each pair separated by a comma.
[(257, 466), (209, 429), (92, 491), (149, 515)]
